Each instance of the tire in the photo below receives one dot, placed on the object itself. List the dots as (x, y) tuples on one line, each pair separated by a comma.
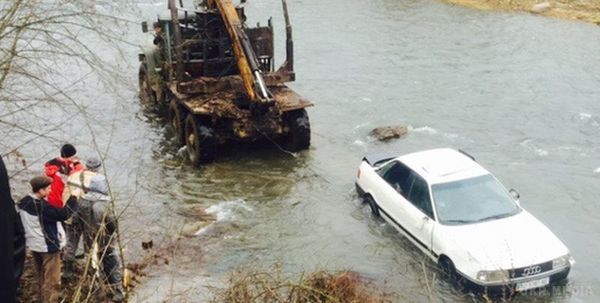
[(177, 116), (200, 140), (449, 272), (146, 94), (372, 205), (141, 76), (298, 137), (448, 269)]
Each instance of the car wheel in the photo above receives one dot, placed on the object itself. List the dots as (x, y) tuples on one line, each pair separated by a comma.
[(372, 205), (449, 271), (200, 140)]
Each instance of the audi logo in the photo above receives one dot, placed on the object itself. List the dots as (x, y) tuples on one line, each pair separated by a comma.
[(532, 270)]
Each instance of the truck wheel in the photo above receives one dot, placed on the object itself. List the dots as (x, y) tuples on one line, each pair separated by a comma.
[(200, 140), (146, 93), (177, 115), (298, 137)]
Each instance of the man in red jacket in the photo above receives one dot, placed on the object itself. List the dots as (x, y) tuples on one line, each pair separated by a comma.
[(59, 169)]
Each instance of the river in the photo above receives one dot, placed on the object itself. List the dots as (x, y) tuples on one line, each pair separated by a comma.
[(518, 92)]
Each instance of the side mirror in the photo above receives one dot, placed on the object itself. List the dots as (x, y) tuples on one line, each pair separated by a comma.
[(144, 27), (514, 194)]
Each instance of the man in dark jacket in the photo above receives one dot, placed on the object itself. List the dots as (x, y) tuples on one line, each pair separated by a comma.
[(12, 241), (45, 234)]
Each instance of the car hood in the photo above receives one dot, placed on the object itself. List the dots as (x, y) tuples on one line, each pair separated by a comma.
[(517, 241)]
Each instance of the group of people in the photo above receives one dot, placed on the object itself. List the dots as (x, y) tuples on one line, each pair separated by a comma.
[(69, 203)]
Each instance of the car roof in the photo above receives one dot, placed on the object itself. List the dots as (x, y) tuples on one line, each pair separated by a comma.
[(443, 165)]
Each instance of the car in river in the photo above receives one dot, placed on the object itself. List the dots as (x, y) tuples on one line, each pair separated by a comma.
[(464, 219)]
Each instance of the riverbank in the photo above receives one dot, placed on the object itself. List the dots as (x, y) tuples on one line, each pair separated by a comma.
[(582, 10)]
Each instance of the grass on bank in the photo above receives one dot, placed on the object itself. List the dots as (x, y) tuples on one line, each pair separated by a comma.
[(321, 286)]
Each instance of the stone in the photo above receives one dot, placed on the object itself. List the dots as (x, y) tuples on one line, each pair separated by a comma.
[(192, 229), (386, 133), (541, 7)]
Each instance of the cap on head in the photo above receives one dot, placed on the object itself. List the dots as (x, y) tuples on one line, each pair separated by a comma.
[(39, 182), (67, 151), (93, 163)]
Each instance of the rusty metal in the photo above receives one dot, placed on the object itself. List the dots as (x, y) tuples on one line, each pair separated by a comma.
[(209, 85), (289, 41), (222, 104), (177, 39)]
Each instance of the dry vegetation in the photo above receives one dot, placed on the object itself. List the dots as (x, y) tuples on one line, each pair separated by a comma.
[(320, 286), (584, 10)]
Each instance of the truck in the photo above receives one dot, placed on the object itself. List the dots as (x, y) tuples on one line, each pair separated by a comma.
[(214, 77)]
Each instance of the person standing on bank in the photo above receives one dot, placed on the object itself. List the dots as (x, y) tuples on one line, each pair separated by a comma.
[(45, 236), (95, 217), (79, 184), (12, 241), (59, 169)]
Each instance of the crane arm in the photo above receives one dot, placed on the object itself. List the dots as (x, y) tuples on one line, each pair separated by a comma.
[(245, 56)]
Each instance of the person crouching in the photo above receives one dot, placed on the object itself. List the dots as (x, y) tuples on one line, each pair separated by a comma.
[(44, 234)]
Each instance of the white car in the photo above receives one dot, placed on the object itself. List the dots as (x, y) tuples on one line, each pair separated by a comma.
[(464, 219)]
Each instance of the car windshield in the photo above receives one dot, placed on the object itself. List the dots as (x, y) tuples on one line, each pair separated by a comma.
[(472, 200)]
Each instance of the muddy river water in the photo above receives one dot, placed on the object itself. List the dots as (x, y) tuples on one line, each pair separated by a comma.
[(518, 92)]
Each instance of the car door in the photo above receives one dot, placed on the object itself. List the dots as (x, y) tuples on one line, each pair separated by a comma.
[(389, 196), (392, 190), (418, 212)]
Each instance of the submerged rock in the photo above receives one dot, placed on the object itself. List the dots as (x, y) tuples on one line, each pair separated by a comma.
[(541, 7), (196, 213), (386, 133), (191, 229)]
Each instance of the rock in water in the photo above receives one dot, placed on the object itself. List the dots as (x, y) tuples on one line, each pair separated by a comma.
[(191, 229), (386, 133), (541, 7)]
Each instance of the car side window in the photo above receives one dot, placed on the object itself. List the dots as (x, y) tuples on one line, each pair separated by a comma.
[(419, 195), (384, 169), (397, 176)]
